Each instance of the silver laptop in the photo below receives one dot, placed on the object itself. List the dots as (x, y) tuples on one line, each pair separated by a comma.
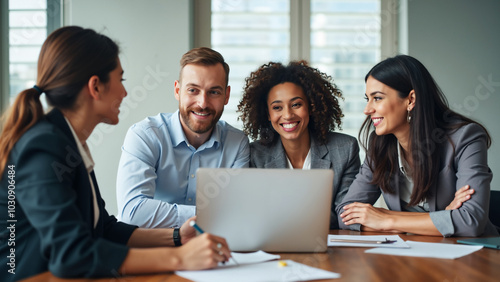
[(275, 210)]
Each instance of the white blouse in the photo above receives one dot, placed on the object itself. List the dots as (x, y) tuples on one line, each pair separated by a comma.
[(89, 165)]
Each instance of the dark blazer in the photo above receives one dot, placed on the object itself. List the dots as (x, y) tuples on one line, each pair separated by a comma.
[(53, 210), (462, 164), (341, 153)]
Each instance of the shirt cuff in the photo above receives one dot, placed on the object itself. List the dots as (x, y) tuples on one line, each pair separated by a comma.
[(356, 227), (442, 221), (184, 212)]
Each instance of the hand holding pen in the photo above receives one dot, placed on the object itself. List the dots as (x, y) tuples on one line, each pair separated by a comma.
[(219, 245), (201, 252)]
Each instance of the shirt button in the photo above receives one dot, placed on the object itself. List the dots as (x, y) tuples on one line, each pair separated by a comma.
[(190, 199), (192, 175)]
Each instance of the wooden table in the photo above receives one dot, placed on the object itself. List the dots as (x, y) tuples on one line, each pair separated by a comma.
[(355, 265)]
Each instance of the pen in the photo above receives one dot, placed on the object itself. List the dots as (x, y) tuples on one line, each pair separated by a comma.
[(363, 241), (197, 228)]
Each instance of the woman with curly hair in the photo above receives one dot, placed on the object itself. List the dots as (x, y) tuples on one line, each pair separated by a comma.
[(291, 111)]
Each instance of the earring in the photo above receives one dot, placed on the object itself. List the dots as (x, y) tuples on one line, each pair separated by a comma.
[(408, 117)]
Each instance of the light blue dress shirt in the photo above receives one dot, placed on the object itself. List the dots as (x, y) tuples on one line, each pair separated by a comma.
[(156, 181)]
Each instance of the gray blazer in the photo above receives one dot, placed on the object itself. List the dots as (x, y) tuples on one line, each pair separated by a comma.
[(467, 163), (341, 153)]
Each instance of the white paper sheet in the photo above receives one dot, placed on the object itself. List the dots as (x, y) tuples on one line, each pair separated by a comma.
[(398, 244), (246, 258), (256, 272), (430, 250)]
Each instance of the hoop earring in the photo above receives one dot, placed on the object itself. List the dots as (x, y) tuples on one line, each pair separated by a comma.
[(408, 117)]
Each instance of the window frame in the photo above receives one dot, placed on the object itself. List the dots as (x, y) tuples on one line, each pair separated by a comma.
[(4, 55), (391, 13), (300, 11), (54, 21)]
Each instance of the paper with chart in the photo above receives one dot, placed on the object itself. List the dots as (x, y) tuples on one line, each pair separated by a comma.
[(258, 266), (364, 241), (428, 250)]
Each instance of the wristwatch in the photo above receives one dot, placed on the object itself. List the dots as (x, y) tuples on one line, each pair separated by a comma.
[(177, 237)]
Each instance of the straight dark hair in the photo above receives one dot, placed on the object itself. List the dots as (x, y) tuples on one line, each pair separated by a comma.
[(432, 121), (69, 57)]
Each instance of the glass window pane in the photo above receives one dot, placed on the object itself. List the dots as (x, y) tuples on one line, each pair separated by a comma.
[(27, 32), (269, 39), (250, 6), (24, 71), (342, 38), (238, 21), (333, 21), (27, 4), (27, 36), (346, 6), (28, 18), (249, 33), (345, 43), (24, 54)]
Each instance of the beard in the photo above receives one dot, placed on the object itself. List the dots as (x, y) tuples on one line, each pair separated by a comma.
[(200, 126)]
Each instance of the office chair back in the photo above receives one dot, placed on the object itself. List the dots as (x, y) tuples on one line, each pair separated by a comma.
[(495, 208)]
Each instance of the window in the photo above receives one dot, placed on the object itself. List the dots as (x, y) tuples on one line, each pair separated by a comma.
[(346, 43), (248, 34), (29, 23), (343, 38)]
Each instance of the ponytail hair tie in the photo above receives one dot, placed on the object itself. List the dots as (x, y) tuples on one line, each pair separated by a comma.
[(40, 91)]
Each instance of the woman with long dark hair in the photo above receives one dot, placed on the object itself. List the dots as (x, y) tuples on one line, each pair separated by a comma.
[(429, 162), (49, 196)]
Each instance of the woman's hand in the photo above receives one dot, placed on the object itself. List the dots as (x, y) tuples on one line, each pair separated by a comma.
[(461, 196), (202, 252), (373, 219)]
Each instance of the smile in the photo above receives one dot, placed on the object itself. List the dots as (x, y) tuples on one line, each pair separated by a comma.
[(289, 126), (377, 121), (201, 114)]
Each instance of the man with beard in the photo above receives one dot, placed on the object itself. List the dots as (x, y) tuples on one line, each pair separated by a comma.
[(156, 182)]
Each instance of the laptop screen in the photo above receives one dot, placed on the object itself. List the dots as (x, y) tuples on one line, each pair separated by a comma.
[(281, 210)]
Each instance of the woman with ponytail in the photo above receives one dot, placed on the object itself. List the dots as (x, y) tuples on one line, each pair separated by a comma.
[(52, 215), (429, 162)]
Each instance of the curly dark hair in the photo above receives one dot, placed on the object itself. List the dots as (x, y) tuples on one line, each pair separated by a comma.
[(322, 95)]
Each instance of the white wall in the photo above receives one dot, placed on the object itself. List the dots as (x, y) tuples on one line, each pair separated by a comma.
[(458, 41), (152, 35)]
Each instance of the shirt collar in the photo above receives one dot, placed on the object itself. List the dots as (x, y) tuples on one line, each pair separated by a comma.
[(83, 149), (401, 161), (179, 137)]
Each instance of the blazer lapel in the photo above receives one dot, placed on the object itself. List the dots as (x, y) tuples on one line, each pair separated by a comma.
[(56, 117), (320, 157), (393, 201), (98, 196), (279, 156)]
